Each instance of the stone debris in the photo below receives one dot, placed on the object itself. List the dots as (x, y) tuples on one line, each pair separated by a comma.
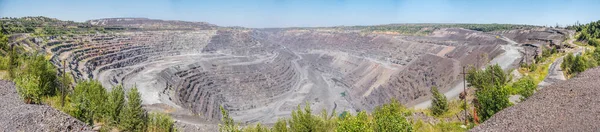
[(15, 115)]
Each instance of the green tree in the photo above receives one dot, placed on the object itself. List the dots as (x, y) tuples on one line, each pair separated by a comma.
[(38, 66), (491, 94), (303, 120), (89, 99), (491, 100), (160, 123), (28, 88), (257, 128), (439, 104), (3, 42), (358, 123), (579, 64), (133, 116), (392, 118), (280, 126), (228, 124), (13, 63), (491, 76), (116, 103), (525, 87)]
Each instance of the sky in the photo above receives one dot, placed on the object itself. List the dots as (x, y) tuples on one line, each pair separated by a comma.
[(315, 13)]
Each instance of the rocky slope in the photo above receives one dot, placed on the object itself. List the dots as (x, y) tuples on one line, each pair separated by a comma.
[(18, 116), (572, 105)]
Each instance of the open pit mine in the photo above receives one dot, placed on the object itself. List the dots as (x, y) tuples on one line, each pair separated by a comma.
[(260, 75)]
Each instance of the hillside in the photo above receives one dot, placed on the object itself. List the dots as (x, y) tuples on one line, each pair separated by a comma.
[(15, 115), (573, 105)]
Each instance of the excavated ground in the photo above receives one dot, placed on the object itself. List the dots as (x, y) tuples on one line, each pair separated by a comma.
[(15, 115), (260, 75), (572, 105)]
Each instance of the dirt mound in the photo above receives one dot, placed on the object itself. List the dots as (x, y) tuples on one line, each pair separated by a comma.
[(572, 105), (18, 116)]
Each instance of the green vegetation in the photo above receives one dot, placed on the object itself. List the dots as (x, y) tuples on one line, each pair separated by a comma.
[(588, 32), (391, 117), (116, 105), (160, 123), (44, 26), (574, 64), (3, 44), (524, 86), (491, 93), (439, 104), (134, 116), (89, 101), (422, 29), (28, 88)]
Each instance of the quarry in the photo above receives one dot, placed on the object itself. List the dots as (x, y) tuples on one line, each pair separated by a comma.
[(191, 69)]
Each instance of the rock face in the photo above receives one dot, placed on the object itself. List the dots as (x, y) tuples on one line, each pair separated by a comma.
[(263, 74), (572, 105), (18, 116)]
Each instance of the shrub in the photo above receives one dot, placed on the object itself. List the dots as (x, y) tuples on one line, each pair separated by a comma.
[(160, 123), (28, 88), (134, 116), (392, 118), (439, 104)]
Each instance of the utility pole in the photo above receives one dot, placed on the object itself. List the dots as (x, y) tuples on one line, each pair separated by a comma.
[(62, 90), (465, 93)]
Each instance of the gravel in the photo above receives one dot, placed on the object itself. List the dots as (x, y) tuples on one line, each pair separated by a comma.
[(15, 115), (572, 105)]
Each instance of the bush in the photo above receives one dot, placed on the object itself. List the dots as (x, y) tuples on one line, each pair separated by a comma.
[(439, 104), (28, 88), (161, 123), (392, 118), (134, 116)]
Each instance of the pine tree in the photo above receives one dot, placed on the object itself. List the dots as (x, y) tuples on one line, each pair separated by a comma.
[(116, 103), (132, 118), (439, 104)]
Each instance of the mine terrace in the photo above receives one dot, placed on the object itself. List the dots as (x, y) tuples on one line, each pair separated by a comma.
[(260, 75)]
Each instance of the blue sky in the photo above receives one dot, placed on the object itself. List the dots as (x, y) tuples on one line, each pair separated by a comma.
[(303, 13)]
